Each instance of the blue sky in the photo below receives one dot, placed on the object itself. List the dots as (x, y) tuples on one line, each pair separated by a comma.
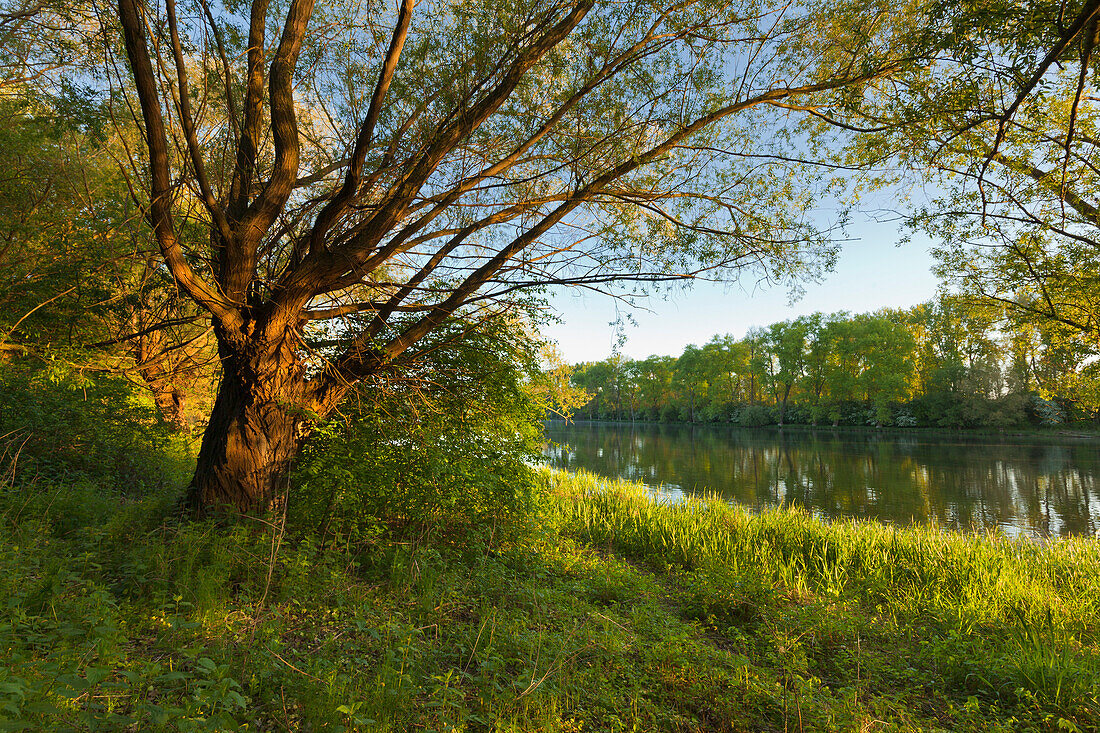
[(872, 272)]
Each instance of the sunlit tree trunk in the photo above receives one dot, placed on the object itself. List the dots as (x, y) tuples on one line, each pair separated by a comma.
[(256, 427)]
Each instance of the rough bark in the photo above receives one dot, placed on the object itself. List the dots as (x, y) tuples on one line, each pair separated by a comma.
[(256, 427)]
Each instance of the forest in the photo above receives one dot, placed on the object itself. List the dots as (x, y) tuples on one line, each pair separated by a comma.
[(950, 363), (272, 384)]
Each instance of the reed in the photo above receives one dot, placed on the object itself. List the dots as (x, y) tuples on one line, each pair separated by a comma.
[(1031, 608)]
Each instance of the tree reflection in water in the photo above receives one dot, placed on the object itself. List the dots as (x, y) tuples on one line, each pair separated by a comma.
[(1027, 487)]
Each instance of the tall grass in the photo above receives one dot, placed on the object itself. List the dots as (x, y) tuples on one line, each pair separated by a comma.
[(606, 611), (1032, 608)]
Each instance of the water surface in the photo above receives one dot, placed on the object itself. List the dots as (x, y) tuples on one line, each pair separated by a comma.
[(1034, 487)]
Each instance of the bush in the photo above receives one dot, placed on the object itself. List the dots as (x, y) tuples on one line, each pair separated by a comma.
[(798, 415), (880, 415), (61, 425), (904, 418), (715, 412), (456, 446), (1047, 412), (756, 416)]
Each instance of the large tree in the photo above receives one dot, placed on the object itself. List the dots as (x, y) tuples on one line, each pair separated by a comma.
[(335, 182), (1003, 122), (787, 343)]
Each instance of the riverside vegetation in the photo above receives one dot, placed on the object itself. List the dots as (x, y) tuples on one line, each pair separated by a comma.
[(516, 599), (326, 233), (949, 363)]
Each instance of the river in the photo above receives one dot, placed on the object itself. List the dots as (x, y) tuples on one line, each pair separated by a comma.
[(1035, 487)]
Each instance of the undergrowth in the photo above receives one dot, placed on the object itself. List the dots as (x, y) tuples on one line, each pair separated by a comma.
[(600, 610)]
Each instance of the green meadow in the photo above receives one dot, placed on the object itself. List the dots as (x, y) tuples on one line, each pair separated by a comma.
[(599, 609)]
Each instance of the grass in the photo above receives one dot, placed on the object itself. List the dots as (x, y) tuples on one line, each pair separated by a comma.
[(604, 611), (995, 622)]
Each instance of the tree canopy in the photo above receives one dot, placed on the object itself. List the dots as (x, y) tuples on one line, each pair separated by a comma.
[(1001, 124), (333, 183)]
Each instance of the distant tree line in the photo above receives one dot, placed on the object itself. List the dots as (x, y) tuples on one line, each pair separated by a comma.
[(948, 363)]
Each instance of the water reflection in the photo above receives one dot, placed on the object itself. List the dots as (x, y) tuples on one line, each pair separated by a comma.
[(1022, 487)]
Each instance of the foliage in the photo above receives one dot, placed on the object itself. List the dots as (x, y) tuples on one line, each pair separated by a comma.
[(453, 438), (553, 385), (60, 425), (755, 416), (61, 210), (607, 612), (951, 363), (1000, 625), (1047, 412), (77, 274), (1002, 126)]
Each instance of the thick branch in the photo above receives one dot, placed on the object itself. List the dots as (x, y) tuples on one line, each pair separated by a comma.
[(1084, 19), (248, 144), (304, 281), (188, 122), (361, 357), (160, 214), (339, 202)]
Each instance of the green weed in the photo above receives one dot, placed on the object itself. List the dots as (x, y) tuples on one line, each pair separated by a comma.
[(606, 610)]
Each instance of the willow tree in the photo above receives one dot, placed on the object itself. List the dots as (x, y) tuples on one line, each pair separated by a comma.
[(359, 176), (1005, 120)]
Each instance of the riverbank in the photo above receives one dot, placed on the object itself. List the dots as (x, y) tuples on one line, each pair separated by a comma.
[(604, 610), (1086, 432), (1033, 487)]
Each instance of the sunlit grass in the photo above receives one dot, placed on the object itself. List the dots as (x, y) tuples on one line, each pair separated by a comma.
[(606, 611), (1032, 608), (985, 576)]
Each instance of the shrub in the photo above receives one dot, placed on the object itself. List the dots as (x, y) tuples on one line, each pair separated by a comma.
[(798, 415), (756, 416), (455, 442), (669, 413), (60, 424), (715, 412), (904, 418), (1047, 412)]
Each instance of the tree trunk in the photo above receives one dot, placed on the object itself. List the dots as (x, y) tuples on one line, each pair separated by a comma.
[(159, 376), (172, 404), (255, 431)]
